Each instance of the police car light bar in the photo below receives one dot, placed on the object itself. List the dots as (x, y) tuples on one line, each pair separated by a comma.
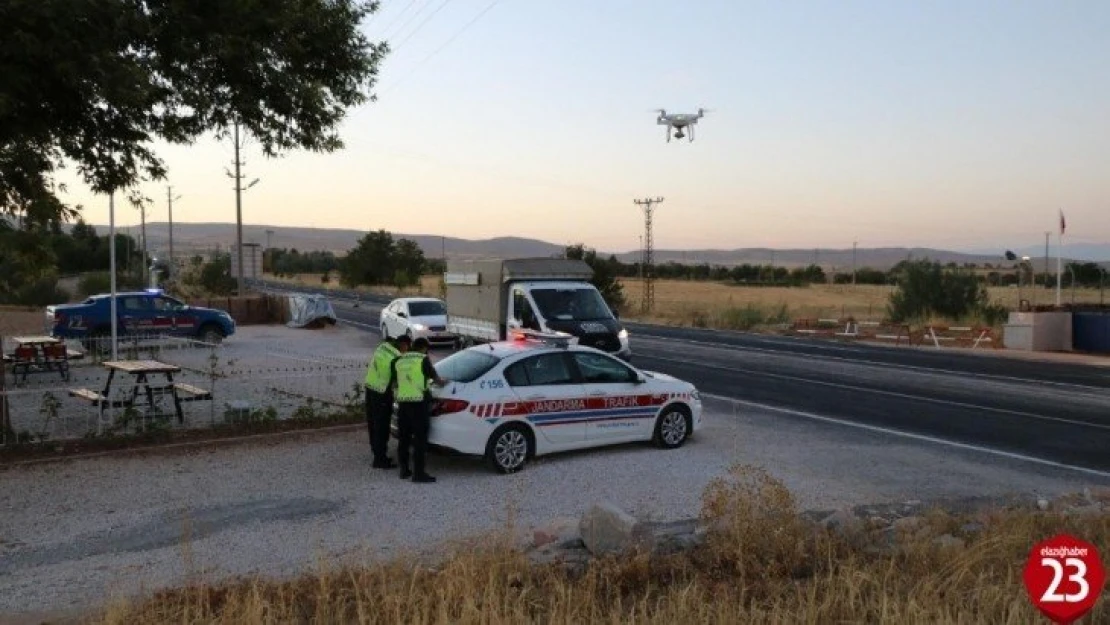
[(550, 338)]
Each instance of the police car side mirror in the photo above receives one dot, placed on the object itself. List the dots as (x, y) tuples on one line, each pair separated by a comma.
[(640, 379)]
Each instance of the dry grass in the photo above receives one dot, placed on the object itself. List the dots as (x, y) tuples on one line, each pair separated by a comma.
[(761, 563), (16, 320), (722, 305), (714, 304), (429, 285)]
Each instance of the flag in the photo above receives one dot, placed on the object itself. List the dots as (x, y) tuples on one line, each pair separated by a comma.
[(1062, 223)]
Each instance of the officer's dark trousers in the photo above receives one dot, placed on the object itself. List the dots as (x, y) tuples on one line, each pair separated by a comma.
[(379, 409), (412, 429)]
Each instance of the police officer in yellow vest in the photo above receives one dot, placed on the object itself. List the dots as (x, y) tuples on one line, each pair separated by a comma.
[(379, 398), (413, 374)]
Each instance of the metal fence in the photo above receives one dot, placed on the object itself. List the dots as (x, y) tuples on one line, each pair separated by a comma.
[(269, 386)]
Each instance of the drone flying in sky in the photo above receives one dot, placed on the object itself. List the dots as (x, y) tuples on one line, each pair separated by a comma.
[(679, 121)]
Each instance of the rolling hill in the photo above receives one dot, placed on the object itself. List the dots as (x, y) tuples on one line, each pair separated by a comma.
[(190, 237)]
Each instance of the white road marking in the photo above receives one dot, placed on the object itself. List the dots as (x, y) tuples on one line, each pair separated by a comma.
[(946, 402), (864, 361), (920, 437)]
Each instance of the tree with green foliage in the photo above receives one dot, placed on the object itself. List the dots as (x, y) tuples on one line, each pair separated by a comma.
[(96, 82), (605, 274), (378, 259), (927, 289)]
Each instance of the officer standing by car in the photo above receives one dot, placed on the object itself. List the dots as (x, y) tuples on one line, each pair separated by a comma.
[(379, 398), (412, 374)]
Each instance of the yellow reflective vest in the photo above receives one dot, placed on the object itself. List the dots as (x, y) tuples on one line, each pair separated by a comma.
[(411, 382), (377, 374)]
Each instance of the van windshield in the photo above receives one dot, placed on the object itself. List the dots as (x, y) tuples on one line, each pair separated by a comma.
[(583, 304)]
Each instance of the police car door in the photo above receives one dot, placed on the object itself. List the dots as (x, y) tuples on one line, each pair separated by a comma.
[(552, 399), (620, 407)]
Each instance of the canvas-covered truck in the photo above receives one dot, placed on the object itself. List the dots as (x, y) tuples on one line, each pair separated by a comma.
[(487, 299)]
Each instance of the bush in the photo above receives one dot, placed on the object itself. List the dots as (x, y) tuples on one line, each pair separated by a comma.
[(98, 282), (925, 289), (41, 292), (93, 283)]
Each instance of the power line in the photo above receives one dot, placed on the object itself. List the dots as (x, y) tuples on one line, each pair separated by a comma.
[(386, 28), (441, 47), (419, 26)]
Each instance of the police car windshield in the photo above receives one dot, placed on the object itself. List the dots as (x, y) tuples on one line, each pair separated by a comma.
[(426, 309), (465, 366), (571, 304)]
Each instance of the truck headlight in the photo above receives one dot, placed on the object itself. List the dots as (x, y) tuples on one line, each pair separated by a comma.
[(418, 326), (623, 334)]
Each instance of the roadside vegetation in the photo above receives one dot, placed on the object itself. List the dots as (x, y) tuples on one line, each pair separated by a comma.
[(761, 562), (725, 305)]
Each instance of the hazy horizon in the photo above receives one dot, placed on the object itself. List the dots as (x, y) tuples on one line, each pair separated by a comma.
[(954, 125)]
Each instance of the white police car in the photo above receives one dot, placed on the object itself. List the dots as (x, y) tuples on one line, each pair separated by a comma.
[(539, 394)]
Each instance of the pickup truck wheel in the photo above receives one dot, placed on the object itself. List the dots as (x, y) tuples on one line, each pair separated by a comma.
[(509, 448), (211, 334)]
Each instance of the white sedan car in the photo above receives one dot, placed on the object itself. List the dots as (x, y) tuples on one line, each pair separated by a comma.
[(417, 317), (513, 400)]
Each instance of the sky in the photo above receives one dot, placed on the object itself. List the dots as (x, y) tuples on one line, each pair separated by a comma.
[(951, 124)]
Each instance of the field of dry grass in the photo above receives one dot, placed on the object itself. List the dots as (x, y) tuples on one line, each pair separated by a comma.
[(429, 285), (760, 563), (721, 305), (716, 304)]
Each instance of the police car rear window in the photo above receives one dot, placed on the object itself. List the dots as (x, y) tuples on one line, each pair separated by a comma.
[(465, 366)]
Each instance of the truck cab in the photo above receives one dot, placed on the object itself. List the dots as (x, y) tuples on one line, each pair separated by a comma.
[(573, 308), (488, 299)]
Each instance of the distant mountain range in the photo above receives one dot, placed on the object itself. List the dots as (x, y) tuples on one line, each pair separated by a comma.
[(189, 237)]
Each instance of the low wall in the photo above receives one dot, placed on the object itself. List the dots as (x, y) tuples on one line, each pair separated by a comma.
[(1039, 331), (252, 310)]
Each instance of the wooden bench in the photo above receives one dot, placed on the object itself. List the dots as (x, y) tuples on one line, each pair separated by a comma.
[(74, 355), (191, 393), (96, 397)]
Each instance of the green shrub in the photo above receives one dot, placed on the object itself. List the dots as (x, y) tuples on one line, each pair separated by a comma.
[(925, 289)]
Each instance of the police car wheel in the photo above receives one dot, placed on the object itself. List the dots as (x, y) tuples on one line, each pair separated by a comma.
[(508, 449), (672, 428)]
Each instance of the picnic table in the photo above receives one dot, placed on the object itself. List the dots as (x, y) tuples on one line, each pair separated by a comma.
[(144, 392), (40, 354)]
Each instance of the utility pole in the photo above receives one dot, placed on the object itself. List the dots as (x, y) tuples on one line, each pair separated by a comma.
[(169, 200), (268, 253), (1059, 256), (239, 188), (853, 263), (142, 234), (648, 205), (641, 237)]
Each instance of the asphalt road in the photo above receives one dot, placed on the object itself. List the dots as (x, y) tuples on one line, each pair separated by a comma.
[(1042, 412)]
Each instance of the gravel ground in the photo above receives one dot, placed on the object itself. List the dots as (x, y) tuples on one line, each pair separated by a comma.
[(269, 366), (79, 532)]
